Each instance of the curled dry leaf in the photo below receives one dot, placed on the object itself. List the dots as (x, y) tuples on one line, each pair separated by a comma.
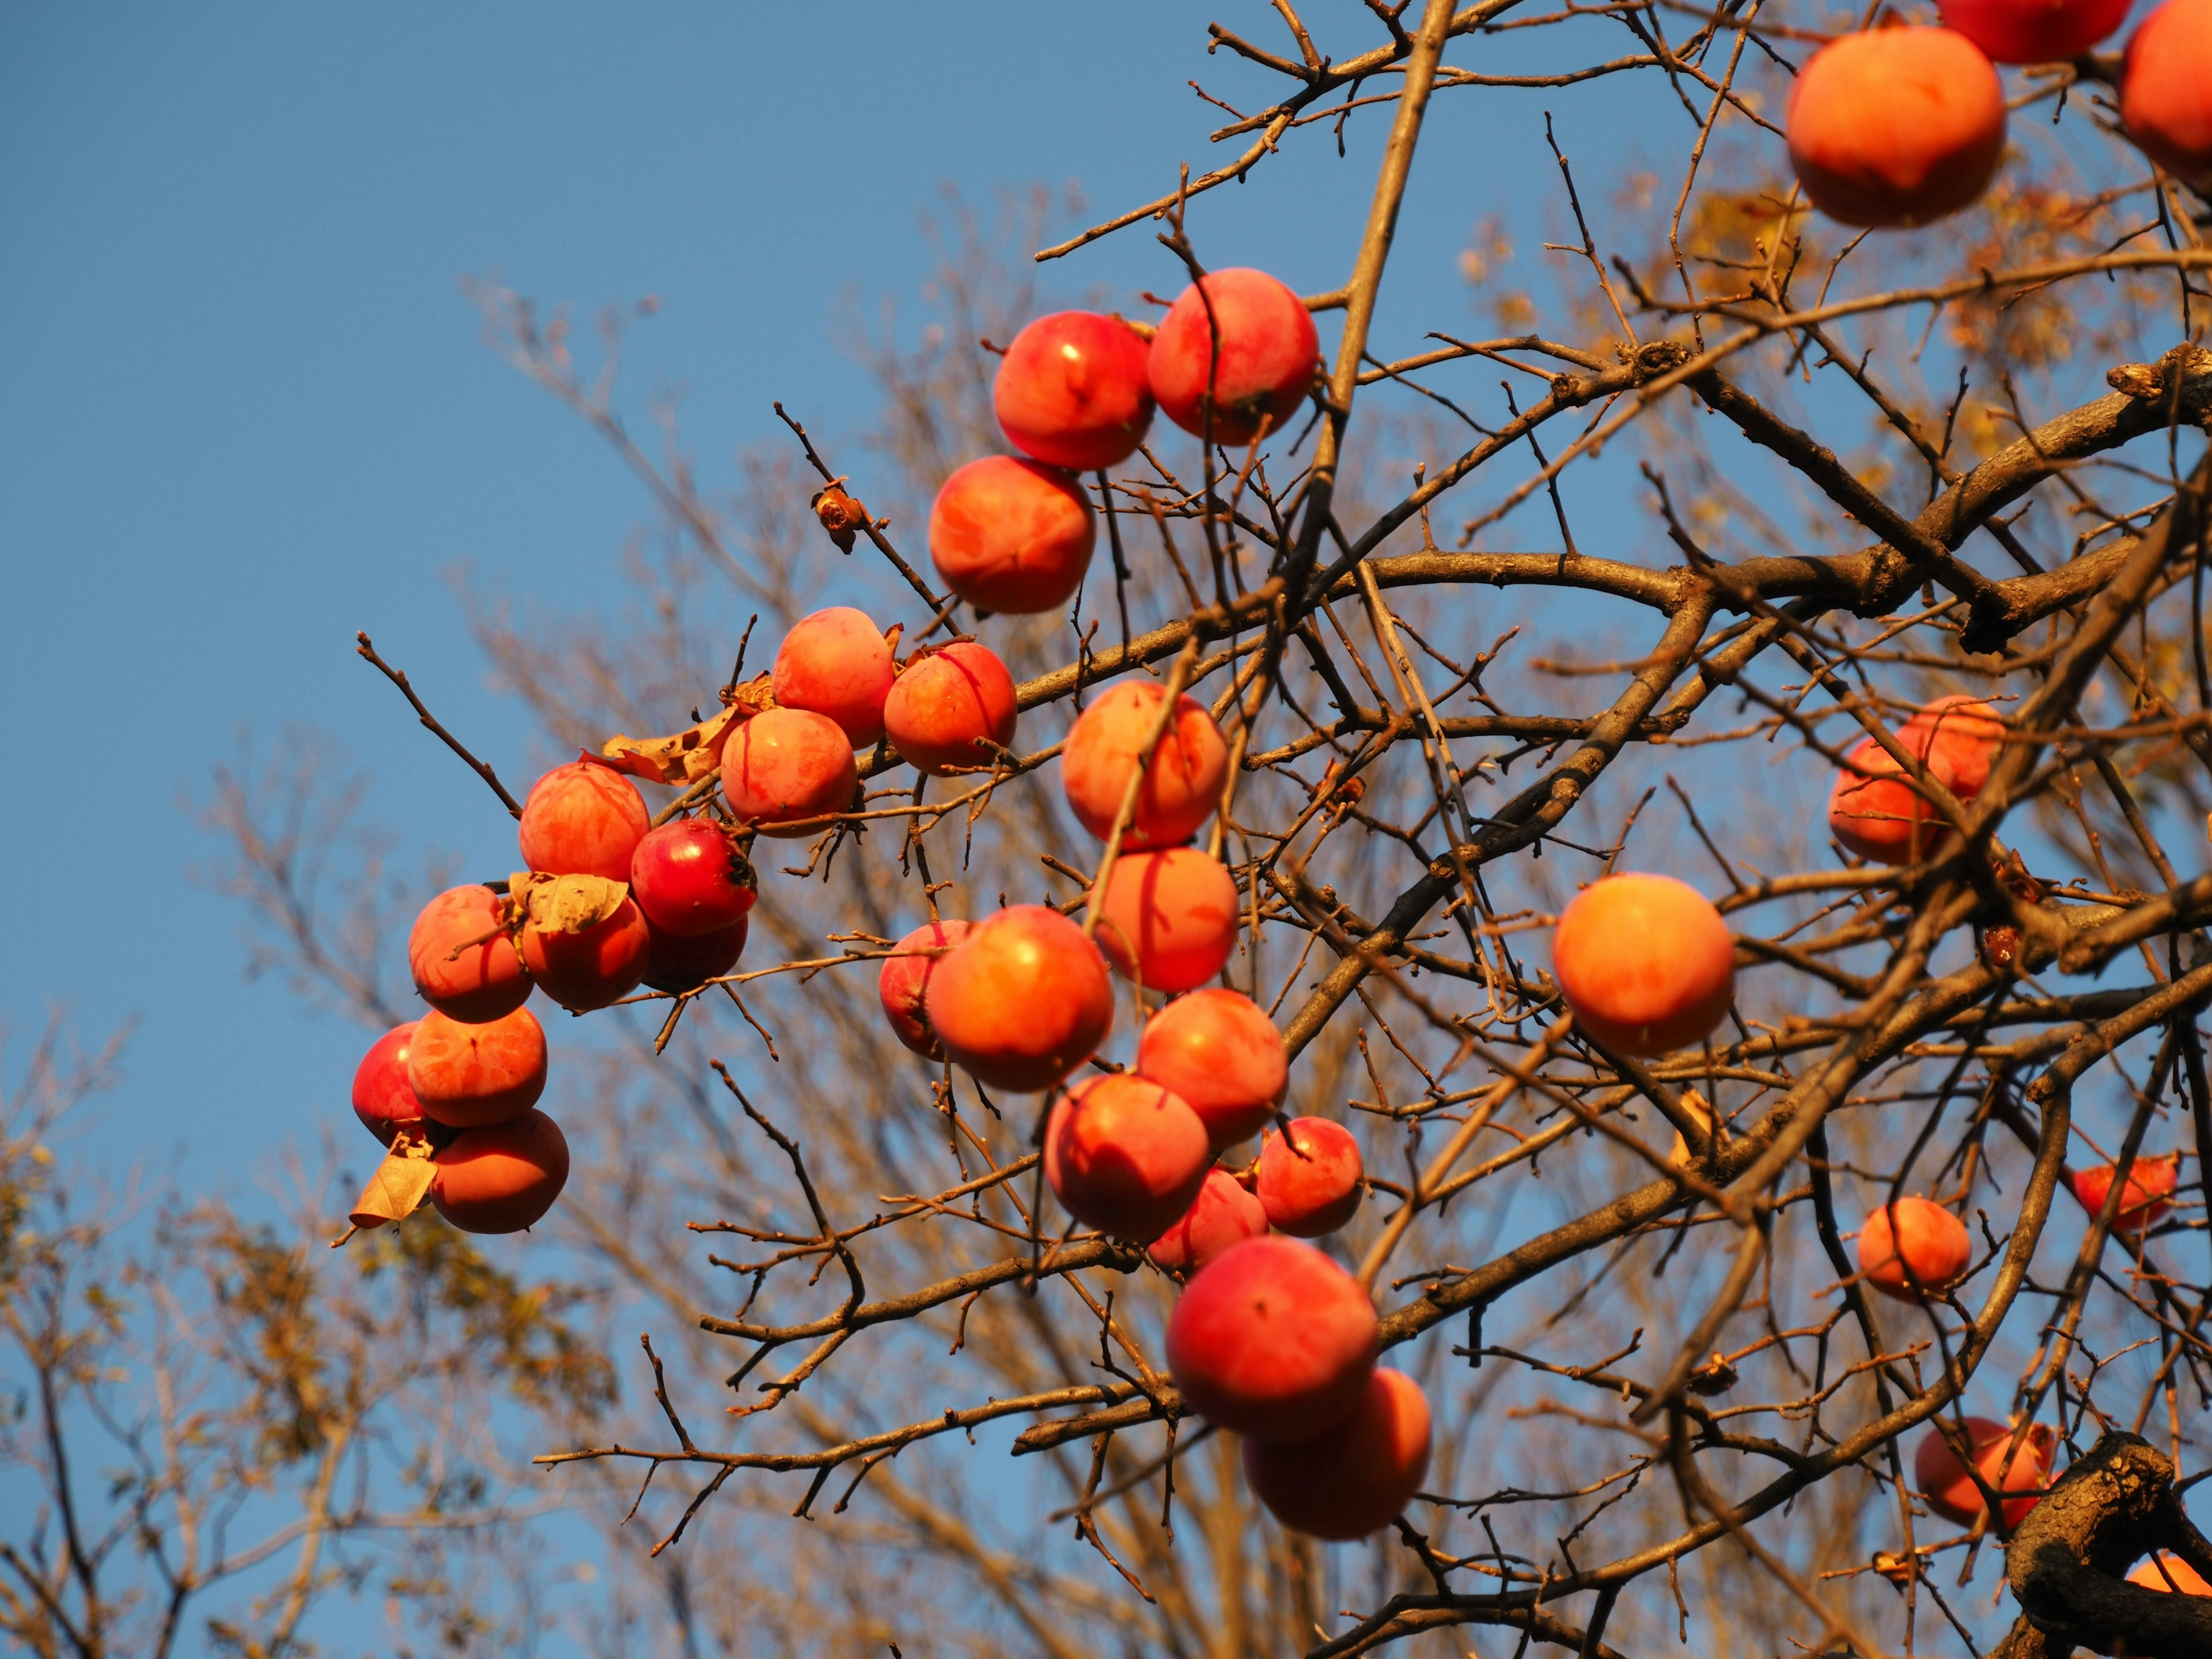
[(400, 1183), (841, 515), (564, 904), (691, 754)]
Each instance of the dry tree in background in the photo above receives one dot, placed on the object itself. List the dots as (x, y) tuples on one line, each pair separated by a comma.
[(1780, 485)]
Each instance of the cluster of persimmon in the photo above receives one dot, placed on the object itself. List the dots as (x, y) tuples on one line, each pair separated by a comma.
[(1900, 125)]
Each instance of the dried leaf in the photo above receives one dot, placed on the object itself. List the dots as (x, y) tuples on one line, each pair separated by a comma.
[(400, 1183), (692, 753), (565, 904)]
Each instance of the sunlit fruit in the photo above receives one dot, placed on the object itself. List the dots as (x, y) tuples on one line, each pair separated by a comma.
[(1219, 1051), (2169, 1572), (465, 963), (471, 1075), (594, 967), (1911, 1243), (2165, 88), (382, 1099), (947, 702), (1183, 780), (502, 1178), (1022, 1000), (2034, 31), (583, 819), (690, 879), (1353, 1478), (2151, 1183), (1876, 813), (905, 979), (1273, 1339), (1073, 391), (1222, 1216), (1245, 352), (1950, 1490), (1123, 1155), (786, 768), (1012, 535), (837, 663), (683, 962), (1646, 963), (1169, 918), (1309, 1179), (1897, 127)]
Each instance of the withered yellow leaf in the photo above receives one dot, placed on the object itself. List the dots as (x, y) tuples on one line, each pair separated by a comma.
[(695, 752), (565, 904), (400, 1183)]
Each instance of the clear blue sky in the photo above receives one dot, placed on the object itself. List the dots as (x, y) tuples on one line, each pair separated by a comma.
[(245, 409)]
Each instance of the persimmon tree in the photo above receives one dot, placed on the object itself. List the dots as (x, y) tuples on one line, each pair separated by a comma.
[(1776, 484)]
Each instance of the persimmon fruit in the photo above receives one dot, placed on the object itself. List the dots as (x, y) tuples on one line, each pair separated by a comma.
[(1073, 391), (471, 1075), (1223, 1216), (463, 961), (502, 1178), (1273, 1339), (787, 767), (1022, 1000), (583, 819), (1125, 1156), (1646, 962), (1896, 126), (1912, 1242), (1245, 350), (1218, 1050), (1308, 1179), (904, 980), (837, 663), (1183, 780), (1352, 1479), (689, 879), (947, 702), (1013, 535), (594, 967)]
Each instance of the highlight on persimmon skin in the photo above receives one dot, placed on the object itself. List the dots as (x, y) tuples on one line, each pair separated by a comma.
[(1012, 536), (462, 961), (583, 819), (901, 986), (1356, 1477), (502, 1178), (1170, 918), (1218, 1050), (1258, 350), (1022, 1000), (1183, 781), (677, 962), (945, 699), (1073, 391), (2034, 31), (471, 1075), (1123, 1155), (837, 663), (1273, 1339), (1223, 1216), (1874, 812), (2151, 1183), (1912, 1241), (786, 767), (2165, 88), (1309, 1181), (2168, 1571), (590, 969), (382, 1098), (690, 879), (1950, 1490), (1646, 962), (1897, 126)]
